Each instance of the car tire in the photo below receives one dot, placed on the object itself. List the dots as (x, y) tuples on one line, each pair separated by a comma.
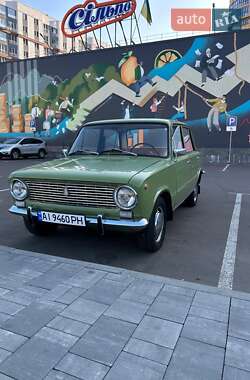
[(39, 228), (192, 200), (15, 154), (153, 237), (42, 154)]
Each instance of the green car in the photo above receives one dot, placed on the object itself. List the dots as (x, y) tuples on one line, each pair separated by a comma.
[(121, 174)]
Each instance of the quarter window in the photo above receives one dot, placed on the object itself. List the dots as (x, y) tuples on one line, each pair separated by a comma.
[(187, 139), (177, 139)]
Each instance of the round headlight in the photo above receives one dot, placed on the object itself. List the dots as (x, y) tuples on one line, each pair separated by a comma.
[(125, 197), (19, 190)]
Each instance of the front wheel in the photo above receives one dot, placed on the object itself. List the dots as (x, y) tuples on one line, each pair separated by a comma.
[(192, 200), (39, 228), (15, 154), (153, 237)]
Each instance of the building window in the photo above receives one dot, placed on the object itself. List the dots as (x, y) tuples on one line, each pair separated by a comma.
[(11, 13), (3, 36), (12, 24), (46, 28), (3, 48), (3, 23), (2, 10), (12, 38), (12, 50), (26, 54)]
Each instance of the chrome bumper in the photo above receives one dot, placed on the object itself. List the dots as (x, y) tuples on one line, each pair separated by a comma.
[(98, 221)]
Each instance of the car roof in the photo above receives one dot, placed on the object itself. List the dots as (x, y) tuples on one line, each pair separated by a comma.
[(134, 121), (31, 137)]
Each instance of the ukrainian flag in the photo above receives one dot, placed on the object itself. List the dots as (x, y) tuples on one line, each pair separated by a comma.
[(146, 12)]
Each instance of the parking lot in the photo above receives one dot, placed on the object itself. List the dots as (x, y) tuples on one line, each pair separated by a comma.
[(208, 244)]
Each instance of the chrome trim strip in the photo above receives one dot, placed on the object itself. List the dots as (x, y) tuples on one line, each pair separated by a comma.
[(21, 211), (137, 224)]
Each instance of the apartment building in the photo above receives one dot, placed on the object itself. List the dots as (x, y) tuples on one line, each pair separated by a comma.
[(244, 6), (26, 32)]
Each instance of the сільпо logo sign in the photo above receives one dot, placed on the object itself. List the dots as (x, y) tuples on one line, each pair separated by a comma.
[(87, 17), (205, 19)]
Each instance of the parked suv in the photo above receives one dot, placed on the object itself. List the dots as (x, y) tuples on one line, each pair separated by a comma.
[(23, 147), (124, 174)]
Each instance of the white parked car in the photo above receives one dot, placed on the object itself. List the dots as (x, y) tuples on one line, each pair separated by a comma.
[(23, 147)]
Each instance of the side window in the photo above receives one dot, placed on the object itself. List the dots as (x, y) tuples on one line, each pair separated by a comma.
[(177, 139), (35, 141), (188, 144), (25, 142)]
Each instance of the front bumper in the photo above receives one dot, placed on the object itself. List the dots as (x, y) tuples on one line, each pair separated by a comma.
[(4, 154), (99, 221)]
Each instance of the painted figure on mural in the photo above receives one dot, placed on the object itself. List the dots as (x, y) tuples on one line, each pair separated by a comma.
[(154, 106), (66, 106), (49, 118), (207, 64), (133, 73), (35, 119), (127, 110), (218, 107), (142, 79), (180, 112)]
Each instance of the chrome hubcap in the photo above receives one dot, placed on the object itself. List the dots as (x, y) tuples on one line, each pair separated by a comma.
[(159, 224)]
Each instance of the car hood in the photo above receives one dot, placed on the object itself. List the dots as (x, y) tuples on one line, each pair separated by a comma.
[(2, 146), (111, 169)]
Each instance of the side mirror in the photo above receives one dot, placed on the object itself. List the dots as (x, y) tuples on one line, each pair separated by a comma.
[(65, 152), (180, 152)]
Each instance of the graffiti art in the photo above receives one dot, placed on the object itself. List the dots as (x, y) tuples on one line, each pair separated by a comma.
[(199, 80)]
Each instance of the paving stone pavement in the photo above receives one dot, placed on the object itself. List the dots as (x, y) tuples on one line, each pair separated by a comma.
[(63, 319)]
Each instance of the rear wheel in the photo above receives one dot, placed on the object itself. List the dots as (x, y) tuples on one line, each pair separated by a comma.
[(192, 200), (153, 237), (41, 154), (39, 228), (15, 154)]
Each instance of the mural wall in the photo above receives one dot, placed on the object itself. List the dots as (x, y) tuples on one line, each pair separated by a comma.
[(200, 81)]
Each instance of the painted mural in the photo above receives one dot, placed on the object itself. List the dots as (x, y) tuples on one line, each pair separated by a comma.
[(201, 81)]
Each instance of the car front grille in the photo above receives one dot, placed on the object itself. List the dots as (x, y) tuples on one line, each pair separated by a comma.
[(75, 194)]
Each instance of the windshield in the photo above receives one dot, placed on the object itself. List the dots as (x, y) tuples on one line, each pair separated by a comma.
[(11, 141), (123, 139)]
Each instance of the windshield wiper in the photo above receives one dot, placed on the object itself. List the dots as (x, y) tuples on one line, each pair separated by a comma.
[(116, 150), (83, 152)]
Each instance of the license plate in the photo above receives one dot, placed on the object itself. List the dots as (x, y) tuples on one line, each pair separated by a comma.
[(66, 219)]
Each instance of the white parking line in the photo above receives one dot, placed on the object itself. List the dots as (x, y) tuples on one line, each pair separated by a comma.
[(227, 269), (226, 167), (2, 191)]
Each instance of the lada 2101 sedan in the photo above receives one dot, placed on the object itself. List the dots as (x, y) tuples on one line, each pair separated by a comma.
[(125, 174)]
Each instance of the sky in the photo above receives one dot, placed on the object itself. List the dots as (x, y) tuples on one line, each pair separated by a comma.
[(160, 11)]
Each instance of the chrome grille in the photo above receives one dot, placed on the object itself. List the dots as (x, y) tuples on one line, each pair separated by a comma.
[(75, 194)]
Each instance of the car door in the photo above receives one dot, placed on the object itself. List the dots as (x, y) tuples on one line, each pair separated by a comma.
[(25, 146), (34, 146), (192, 159), (181, 166)]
